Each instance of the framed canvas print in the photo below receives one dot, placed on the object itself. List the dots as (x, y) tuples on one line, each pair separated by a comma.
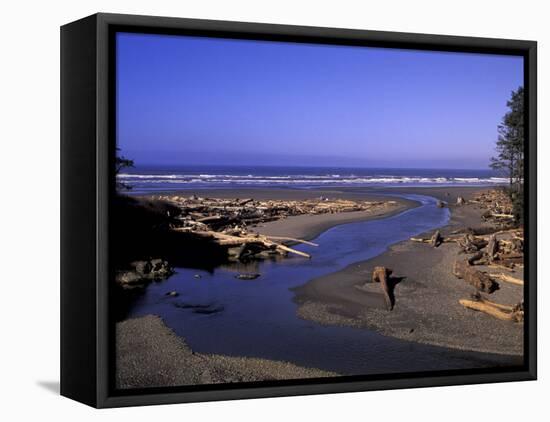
[(253, 210)]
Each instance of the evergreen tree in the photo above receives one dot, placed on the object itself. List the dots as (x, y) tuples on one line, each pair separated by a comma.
[(510, 143), (510, 149), (122, 162)]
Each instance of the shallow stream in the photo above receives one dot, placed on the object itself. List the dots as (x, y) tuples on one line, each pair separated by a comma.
[(220, 314)]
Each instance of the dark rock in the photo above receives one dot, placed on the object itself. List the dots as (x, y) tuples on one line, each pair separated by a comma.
[(158, 264), (208, 311), (200, 308), (160, 269), (142, 267), (129, 279), (143, 272), (251, 276)]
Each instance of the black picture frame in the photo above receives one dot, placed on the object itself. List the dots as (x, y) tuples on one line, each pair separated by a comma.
[(87, 184)]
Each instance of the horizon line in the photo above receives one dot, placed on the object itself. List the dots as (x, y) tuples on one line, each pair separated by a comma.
[(305, 166)]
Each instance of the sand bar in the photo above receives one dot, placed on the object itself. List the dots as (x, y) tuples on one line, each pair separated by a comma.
[(427, 308)]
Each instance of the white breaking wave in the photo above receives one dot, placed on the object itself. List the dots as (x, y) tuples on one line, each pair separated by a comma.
[(224, 179)]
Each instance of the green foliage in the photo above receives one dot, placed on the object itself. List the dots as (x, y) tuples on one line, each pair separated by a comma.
[(517, 204), (510, 148), (122, 162), (510, 143)]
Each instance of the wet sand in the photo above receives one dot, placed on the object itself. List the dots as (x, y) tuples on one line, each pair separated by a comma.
[(426, 293), (426, 309), (308, 227), (149, 354)]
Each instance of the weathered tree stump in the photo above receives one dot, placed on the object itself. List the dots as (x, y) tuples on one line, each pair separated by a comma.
[(492, 248), (436, 239), (382, 275), (470, 275)]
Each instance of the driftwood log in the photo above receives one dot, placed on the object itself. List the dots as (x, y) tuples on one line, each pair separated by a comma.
[(496, 215), (479, 298), (436, 239), (257, 241), (477, 258), (441, 239), (492, 248), (470, 275), (488, 309), (382, 275), (503, 265), (497, 310), (293, 239), (470, 244), (507, 278)]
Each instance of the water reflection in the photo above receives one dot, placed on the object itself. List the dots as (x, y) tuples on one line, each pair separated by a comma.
[(217, 313)]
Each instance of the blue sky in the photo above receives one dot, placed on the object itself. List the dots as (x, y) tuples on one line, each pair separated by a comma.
[(191, 100)]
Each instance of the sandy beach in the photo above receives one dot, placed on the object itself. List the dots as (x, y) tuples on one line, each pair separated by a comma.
[(427, 293), (426, 309), (149, 354), (307, 227)]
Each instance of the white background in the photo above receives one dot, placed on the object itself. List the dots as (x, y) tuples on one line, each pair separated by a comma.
[(29, 209)]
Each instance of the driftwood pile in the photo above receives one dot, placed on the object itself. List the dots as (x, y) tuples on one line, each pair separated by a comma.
[(228, 222), (502, 249), (495, 247), (212, 213), (499, 250), (497, 205)]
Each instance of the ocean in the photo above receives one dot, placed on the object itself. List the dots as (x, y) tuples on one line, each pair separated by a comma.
[(175, 178)]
